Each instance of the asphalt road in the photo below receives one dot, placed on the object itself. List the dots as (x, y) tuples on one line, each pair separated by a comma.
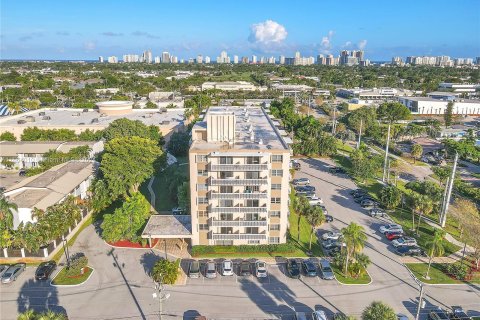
[(120, 287)]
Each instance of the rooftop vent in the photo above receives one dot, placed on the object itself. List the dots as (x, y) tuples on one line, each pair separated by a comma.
[(46, 118), (41, 113), (30, 119)]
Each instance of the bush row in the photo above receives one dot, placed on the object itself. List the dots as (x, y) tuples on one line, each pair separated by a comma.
[(268, 248), (457, 270)]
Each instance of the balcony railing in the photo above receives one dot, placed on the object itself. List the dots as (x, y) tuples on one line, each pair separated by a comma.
[(238, 209), (238, 223), (238, 182), (238, 236), (246, 196), (238, 167)]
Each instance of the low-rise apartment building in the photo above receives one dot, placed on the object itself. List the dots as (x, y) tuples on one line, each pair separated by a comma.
[(430, 106), (239, 178)]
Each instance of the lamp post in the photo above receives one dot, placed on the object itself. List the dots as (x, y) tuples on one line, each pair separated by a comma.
[(65, 250), (160, 295), (421, 288)]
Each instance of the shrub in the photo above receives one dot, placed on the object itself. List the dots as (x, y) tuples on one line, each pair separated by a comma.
[(77, 263), (264, 248), (166, 271), (458, 270)]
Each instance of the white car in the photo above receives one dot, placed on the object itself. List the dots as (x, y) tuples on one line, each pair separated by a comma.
[(404, 241), (376, 212), (312, 197), (301, 181), (319, 315), (331, 235), (227, 268), (315, 202), (390, 228), (261, 269)]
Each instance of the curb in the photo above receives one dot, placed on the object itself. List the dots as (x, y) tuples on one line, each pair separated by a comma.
[(71, 285)]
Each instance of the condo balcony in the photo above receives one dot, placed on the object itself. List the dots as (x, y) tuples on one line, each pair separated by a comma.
[(238, 167), (238, 209), (238, 182), (239, 236), (238, 195), (238, 223)]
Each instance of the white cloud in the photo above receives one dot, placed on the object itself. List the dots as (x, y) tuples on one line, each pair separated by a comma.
[(89, 46), (326, 43), (362, 44), (267, 36)]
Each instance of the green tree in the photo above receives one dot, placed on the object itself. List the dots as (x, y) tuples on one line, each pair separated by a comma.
[(179, 144), (435, 248), (90, 135), (47, 315), (166, 271), (443, 173), (365, 166), (151, 105), (426, 206), (301, 206), (7, 136), (390, 196), (378, 310), (183, 194), (417, 151), (16, 107), (6, 215), (124, 127), (127, 162), (354, 237), (448, 115), (315, 217)]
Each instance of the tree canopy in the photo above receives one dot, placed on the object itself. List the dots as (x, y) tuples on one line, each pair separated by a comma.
[(124, 127)]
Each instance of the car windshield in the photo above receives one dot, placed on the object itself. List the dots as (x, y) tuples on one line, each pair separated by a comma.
[(7, 274), (294, 265), (211, 269), (261, 265), (327, 269)]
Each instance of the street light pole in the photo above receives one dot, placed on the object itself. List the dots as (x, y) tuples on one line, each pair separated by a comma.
[(386, 154), (422, 290)]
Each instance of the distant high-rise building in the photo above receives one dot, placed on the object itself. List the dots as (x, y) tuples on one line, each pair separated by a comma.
[(128, 58), (199, 58), (321, 59), (235, 59), (477, 61), (297, 55), (223, 58), (157, 59), (245, 60), (330, 60), (147, 56), (166, 57), (271, 60), (254, 59), (397, 61), (281, 60), (100, 59), (112, 59), (207, 59), (174, 59)]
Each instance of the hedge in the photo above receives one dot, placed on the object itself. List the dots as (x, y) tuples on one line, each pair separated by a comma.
[(263, 248)]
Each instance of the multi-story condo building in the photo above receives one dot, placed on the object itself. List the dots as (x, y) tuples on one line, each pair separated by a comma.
[(239, 174)]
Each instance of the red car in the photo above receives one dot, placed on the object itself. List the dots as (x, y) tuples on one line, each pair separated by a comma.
[(393, 235)]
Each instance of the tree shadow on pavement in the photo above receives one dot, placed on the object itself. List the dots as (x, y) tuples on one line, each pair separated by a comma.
[(39, 296), (148, 260)]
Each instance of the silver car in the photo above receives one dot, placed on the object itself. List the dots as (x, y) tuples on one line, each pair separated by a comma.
[(211, 271), (3, 268), (13, 272)]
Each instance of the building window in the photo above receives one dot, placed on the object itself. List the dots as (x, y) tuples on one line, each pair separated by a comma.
[(252, 175), (226, 203), (275, 200), (253, 241), (277, 158), (253, 160), (202, 200), (226, 189), (276, 186), (201, 187), (226, 160), (252, 203), (251, 189), (203, 226), (226, 174), (274, 240), (202, 213), (251, 230), (274, 214), (201, 158), (274, 227), (277, 173), (202, 173)]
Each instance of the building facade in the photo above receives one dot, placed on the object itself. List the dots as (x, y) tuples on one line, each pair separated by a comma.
[(430, 106), (239, 178)]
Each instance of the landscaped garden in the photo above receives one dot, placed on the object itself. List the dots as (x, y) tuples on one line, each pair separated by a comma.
[(77, 272), (454, 273)]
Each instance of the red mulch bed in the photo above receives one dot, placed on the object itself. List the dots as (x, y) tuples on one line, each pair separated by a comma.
[(128, 244)]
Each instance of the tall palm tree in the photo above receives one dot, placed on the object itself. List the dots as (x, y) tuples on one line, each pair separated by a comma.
[(6, 214), (355, 238), (426, 206), (27, 315), (435, 247), (416, 206), (315, 217), (300, 205)]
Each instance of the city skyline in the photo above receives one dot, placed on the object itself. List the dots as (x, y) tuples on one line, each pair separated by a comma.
[(48, 31)]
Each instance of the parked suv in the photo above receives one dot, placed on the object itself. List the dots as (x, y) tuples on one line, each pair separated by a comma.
[(245, 269), (227, 268), (293, 269), (390, 228), (211, 271), (301, 181), (45, 269), (404, 241), (194, 269), (309, 268), (326, 271), (376, 212)]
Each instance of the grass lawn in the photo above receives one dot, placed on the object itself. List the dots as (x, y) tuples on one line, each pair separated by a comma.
[(365, 279), (70, 242), (437, 276), (344, 147), (162, 183), (62, 279)]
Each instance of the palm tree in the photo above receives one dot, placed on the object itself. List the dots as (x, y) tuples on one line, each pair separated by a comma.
[(300, 205), (435, 248), (315, 217), (363, 260), (354, 237), (15, 107), (6, 214), (27, 315), (426, 206), (50, 315), (416, 206)]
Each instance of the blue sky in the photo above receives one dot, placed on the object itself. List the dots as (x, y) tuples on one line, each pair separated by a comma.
[(87, 29)]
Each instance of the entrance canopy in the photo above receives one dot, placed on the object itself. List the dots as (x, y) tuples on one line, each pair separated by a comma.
[(168, 227)]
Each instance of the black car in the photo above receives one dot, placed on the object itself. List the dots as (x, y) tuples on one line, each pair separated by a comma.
[(328, 218), (410, 251), (22, 173), (358, 192), (45, 269), (338, 170), (245, 268), (363, 198), (459, 314), (293, 269), (309, 268), (438, 314)]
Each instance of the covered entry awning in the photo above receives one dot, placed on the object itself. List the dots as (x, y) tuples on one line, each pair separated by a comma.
[(168, 227)]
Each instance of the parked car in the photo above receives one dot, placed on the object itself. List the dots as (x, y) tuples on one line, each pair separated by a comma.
[(358, 191), (368, 203), (376, 212), (293, 269), (404, 241), (326, 271), (261, 269), (194, 269), (312, 196), (324, 209), (410, 251), (401, 316), (390, 228), (393, 235), (309, 268), (45, 269), (178, 210), (319, 315), (362, 198), (328, 218), (337, 170), (301, 181), (438, 314), (211, 271), (3, 268), (315, 202), (332, 243), (308, 189), (245, 269), (22, 172), (296, 165), (300, 316), (13, 272), (227, 268), (459, 314), (331, 235)]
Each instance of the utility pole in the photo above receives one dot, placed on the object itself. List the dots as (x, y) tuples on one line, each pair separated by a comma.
[(386, 154), (420, 300), (449, 193), (360, 134), (160, 295), (334, 125)]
